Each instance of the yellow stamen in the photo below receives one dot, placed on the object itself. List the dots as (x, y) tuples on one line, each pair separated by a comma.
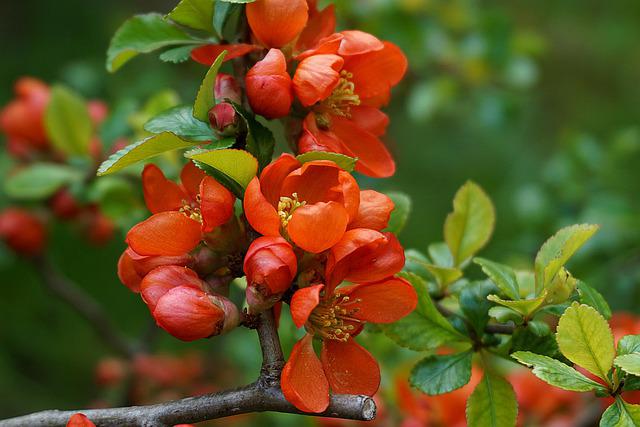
[(331, 320), (287, 206), (190, 211), (340, 101)]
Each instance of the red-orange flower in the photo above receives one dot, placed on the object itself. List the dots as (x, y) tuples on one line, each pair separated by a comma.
[(181, 213), (132, 267), (269, 86), (22, 231), (275, 23), (80, 420)]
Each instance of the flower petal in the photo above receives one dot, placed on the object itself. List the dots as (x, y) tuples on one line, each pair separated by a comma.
[(128, 274), (262, 216), (274, 174), (316, 77), (321, 24), (216, 204), (350, 368), (165, 233), (303, 380), (161, 194), (277, 22), (80, 420), (386, 301), (191, 176), (206, 55), (358, 42), (316, 228), (143, 264), (370, 119), (162, 279), (326, 45), (303, 302), (374, 211), (269, 87)]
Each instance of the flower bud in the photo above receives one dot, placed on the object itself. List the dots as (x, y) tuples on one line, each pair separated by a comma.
[(100, 228), (269, 86), (227, 88), (64, 205), (80, 420), (110, 372), (22, 231), (231, 312), (132, 267), (224, 119), (560, 288), (270, 266)]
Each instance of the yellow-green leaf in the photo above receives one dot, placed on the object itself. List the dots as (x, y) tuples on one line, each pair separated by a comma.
[(444, 275), (205, 100), (502, 275), (492, 403), (469, 227), (630, 363), (525, 307), (238, 165), (621, 414), (67, 121), (345, 162), (584, 337), (196, 14)]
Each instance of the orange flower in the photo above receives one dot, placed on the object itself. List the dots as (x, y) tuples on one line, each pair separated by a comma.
[(269, 86), (275, 23), (80, 420), (22, 231), (311, 204), (182, 214), (132, 267), (344, 80), (206, 55)]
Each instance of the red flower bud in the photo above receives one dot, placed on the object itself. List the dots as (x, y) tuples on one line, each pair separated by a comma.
[(22, 231), (101, 228), (227, 88), (80, 420), (269, 86), (64, 205), (110, 372), (132, 267), (270, 266), (224, 119)]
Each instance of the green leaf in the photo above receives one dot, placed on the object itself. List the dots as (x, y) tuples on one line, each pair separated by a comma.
[(115, 196), (475, 306), (238, 1), (629, 344), (67, 122), (196, 14), (584, 337), (556, 373), (526, 307), (524, 339), (205, 100), (260, 140), (590, 296), (556, 251), (224, 14), (416, 263), (469, 227), (440, 254), (345, 162), (442, 374), (144, 34), (630, 363), (505, 314), (443, 275), (400, 213), (425, 328), (40, 181), (238, 165), (142, 150), (180, 121), (502, 275), (621, 414), (492, 403), (177, 55)]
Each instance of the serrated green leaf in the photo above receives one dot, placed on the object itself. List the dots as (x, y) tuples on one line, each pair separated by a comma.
[(523, 339), (440, 254), (525, 307), (469, 227), (621, 414), (400, 214), (492, 403), (443, 275), (205, 100), (416, 263), (144, 34), (425, 328), (505, 314), (239, 165), (40, 181), (260, 140), (67, 122), (180, 121), (584, 337), (196, 14), (556, 251), (629, 344), (345, 162), (590, 296), (630, 363), (502, 275), (556, 373), (176, 55), (143, 150), (475, 306), (438, 374)]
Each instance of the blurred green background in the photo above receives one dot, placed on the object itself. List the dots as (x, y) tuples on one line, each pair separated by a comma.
[(535, 101)]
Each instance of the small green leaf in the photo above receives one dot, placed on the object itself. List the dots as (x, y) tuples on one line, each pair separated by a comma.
[(345, 162), (40, 181), (524, 339), (67, 122), (260, 140), (176, 55), (630, 363), (621, 414), (525, 307), (556, 251), (469, 227), (239, 165), (584, 337), (475, 306), (440, 254), (180, 121), (629, 344), (416, 263), (442, 374), (590, 296), (492, 403), (224, 14), (142, 150), (144, 34), (505, 314), (556, 373), (443, 275), (502, 275), (196, 14), (400, 213), (205, 100)]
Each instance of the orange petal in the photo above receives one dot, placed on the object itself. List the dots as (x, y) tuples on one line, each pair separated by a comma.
[(191, 176), (80, 420), (277, 22), (207, 55), (216, 204), (350, 368), (316, 77), (303, 302), (375, 73), (272, 176), (262, 216), (374, 211), (320, 25), (144, 264), (358, 42), (268, 86), (271, 262), (303, 380), (383, 302), (162, 279), (315, 139), (161, 194), (317, 227), (326, 45), (127, 273), (165, 233), (370, 119)]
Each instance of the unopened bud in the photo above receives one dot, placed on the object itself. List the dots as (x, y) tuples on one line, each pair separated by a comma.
[(224, 119), (227, 88), (231, 312), (22, 231), (269, 86)]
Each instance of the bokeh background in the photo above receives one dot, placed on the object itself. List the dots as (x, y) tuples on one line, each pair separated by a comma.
[(538, 102)]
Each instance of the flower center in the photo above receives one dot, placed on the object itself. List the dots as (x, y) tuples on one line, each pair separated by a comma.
[(192, 210), (340, 101), (287, 206), (333, 319)]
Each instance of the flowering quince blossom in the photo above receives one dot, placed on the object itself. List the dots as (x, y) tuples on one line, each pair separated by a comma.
[(80, 420), (22, 231)]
